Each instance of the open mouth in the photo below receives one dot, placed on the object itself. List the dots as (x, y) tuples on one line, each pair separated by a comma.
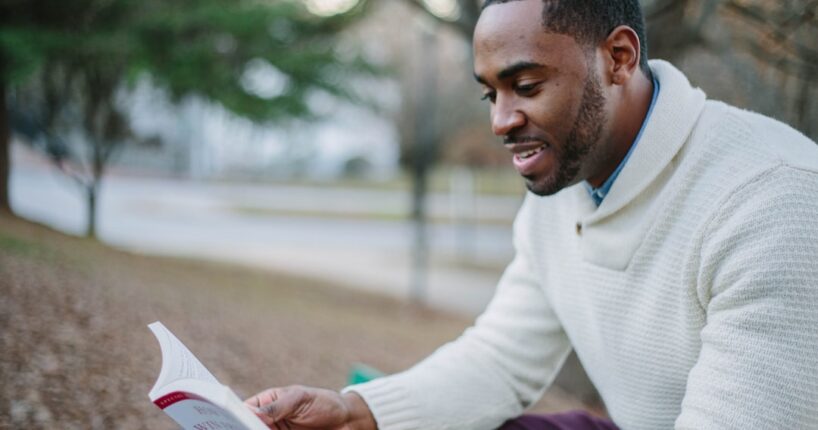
[(531, 152)]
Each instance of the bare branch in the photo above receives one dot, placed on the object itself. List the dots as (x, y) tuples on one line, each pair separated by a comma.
[(775, 34), (78, 179)]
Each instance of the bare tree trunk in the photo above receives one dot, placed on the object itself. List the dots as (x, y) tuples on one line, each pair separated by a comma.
[(99, 157), (422, 160), (420, 252), (91, 202), (5, 148)]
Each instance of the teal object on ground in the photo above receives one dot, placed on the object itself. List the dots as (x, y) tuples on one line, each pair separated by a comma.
[(360, 373)]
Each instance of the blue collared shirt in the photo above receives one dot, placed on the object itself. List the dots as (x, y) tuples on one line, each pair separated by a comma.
[(598, 194)]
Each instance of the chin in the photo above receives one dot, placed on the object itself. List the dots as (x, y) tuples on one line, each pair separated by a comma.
[(548, 185), (543, 187)]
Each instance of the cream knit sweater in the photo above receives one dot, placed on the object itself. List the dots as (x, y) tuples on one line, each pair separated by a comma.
[(690, 294)]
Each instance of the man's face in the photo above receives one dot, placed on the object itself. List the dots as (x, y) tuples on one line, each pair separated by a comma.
[(546, 98)]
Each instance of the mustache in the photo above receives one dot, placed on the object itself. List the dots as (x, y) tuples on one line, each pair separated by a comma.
[(511, 139)]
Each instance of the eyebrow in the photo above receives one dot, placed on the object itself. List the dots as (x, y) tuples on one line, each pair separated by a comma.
[(512, 70)]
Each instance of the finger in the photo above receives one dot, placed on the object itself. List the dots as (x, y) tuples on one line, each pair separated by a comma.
[(285, 404), (256, 402), (263, 397), (252, 404)]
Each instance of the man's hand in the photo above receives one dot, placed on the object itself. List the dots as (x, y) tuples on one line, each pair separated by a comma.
[(298, 407)]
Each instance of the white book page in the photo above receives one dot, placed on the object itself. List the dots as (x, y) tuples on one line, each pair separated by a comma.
[(177, 361)]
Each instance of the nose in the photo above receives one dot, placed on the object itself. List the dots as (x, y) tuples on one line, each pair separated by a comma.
[(505, 117)]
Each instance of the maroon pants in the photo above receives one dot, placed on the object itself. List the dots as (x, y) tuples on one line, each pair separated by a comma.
[(574, 420)]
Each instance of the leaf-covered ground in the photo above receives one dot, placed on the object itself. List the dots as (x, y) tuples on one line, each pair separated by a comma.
[(75, 352)]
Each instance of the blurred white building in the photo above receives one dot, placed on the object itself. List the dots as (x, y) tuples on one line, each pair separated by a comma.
[(199, 139)]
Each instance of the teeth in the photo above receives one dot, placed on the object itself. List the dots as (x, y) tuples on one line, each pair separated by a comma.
[(527, 154)]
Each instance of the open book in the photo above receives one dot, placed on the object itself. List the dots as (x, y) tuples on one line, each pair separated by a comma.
[(191, 395)]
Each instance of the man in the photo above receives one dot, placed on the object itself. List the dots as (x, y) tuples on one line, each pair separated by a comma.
[(671, 241)]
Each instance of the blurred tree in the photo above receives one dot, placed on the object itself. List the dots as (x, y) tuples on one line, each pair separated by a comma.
[(765, 44), (85, 52), (422, 128)]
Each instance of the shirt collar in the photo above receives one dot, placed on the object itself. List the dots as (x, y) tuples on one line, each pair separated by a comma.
[(598, 194)]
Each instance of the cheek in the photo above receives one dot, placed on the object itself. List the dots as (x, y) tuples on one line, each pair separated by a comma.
[(556, 110)]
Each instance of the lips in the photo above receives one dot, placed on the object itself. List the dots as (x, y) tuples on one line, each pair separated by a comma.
[(529, 155)]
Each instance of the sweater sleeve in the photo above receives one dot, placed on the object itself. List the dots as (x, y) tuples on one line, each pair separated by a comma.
[(758, 283), (489, 374)]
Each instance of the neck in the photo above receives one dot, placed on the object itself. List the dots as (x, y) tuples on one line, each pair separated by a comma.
[(627, 120)]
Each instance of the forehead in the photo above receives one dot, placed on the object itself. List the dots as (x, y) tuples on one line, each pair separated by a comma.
[(509, 33)]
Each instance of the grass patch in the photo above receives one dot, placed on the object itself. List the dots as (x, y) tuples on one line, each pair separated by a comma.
[(19, 247)]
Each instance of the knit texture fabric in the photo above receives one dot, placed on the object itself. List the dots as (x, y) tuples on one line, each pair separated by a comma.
[(690, 294)]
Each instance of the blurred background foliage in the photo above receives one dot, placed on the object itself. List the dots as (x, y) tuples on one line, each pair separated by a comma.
[(68, 62)]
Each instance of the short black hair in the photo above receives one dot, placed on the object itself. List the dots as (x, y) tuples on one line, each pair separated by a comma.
[(591, 21)]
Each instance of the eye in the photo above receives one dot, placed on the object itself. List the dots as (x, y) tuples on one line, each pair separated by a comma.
[(490, 96), (525, 89)]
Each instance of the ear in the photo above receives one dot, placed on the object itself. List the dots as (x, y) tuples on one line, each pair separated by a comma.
[(621, 50)]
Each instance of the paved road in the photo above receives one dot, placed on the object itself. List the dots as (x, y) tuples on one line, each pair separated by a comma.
[(241, 223)]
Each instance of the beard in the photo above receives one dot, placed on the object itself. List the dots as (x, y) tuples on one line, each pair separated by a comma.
[(579, 145)]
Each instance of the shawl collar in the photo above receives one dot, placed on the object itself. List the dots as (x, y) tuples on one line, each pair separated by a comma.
[(613, 231)]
